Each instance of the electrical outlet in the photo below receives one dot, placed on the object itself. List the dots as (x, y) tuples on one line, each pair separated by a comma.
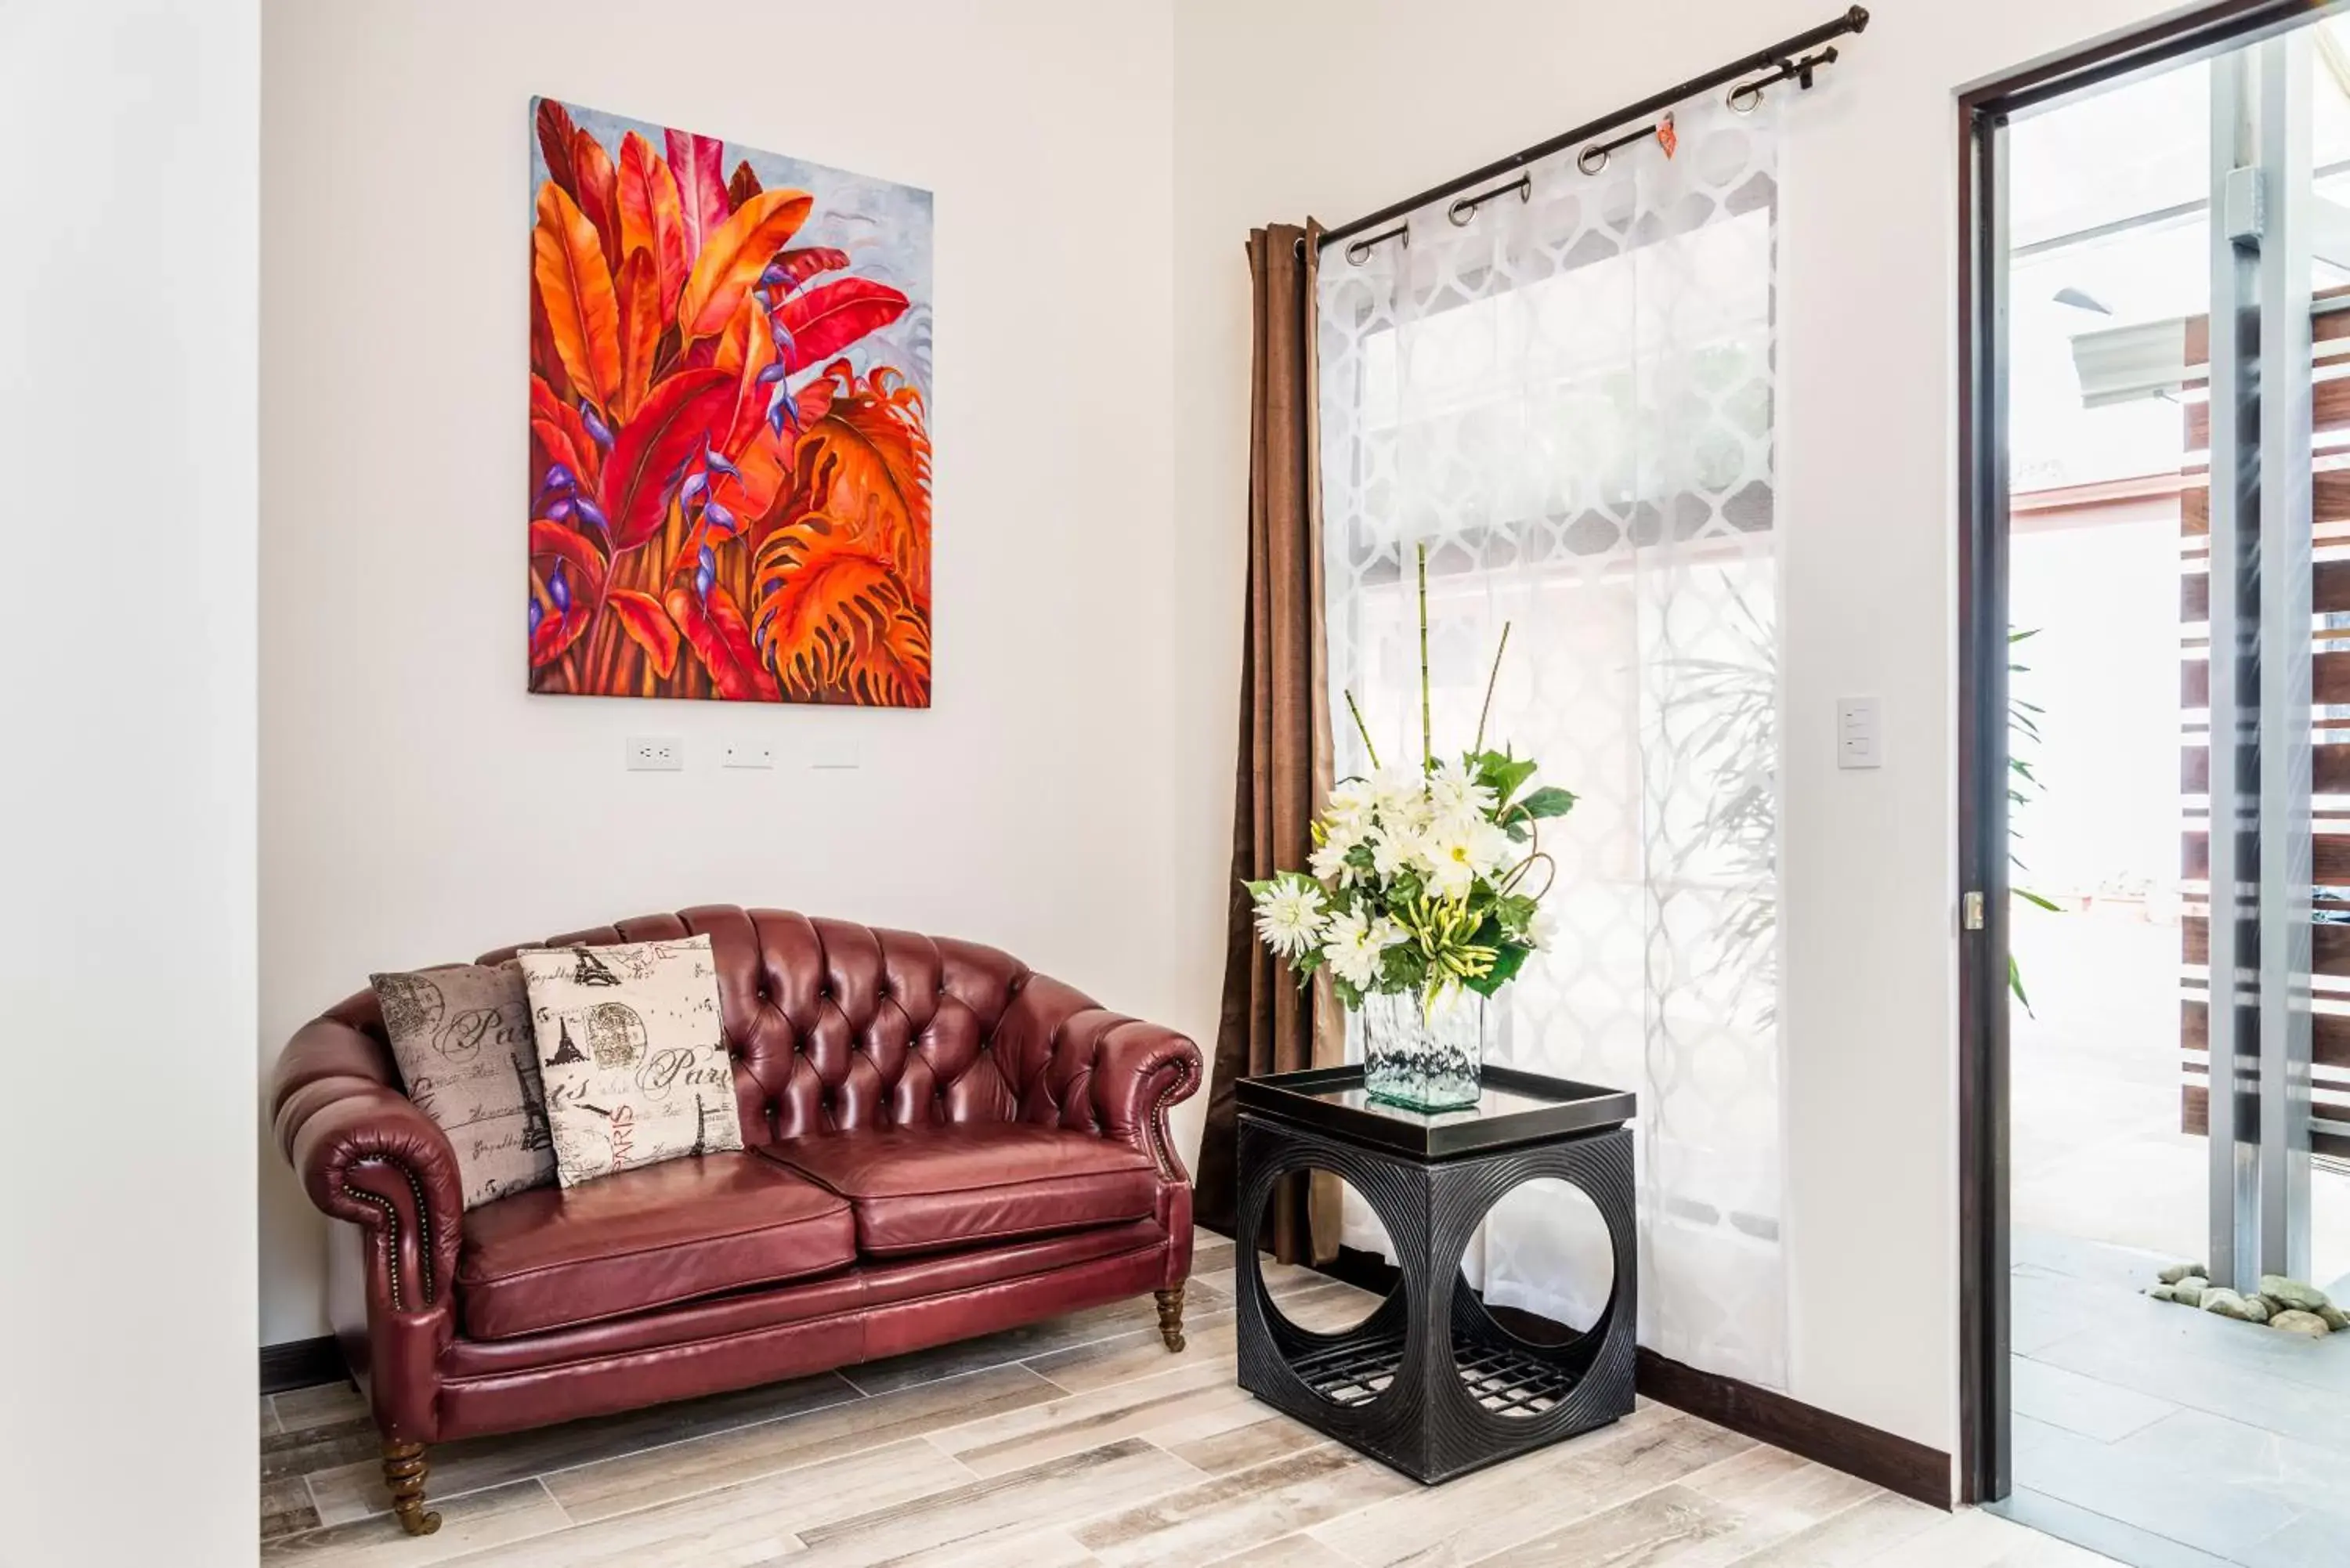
[(749, 754), (656, 753)]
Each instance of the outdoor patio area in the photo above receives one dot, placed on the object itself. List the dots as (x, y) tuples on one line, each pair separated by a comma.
[(2219, 1441)]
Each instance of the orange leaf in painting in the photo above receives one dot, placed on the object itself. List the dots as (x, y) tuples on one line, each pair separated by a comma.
[(568, 260), (649, 625), (746, 350), (650, 217), (688, 411), (734, 255), (640, 330), (835, 617), (867, 463), (715, 631), (600, 192)]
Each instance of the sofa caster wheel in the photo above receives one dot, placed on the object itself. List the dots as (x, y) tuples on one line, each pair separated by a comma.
[(404, 1468), (1170, 1316)]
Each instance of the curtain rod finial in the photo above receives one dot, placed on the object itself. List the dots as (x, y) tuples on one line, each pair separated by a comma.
[(1858, 17)]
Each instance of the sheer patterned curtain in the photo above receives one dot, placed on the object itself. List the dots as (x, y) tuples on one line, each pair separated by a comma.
[(1568, 399)]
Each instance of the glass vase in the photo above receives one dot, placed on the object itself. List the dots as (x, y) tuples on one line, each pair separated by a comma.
[(1421, 1058)]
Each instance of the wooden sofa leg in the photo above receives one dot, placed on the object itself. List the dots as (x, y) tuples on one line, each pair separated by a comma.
[(404, 1468), (1170, 1316)]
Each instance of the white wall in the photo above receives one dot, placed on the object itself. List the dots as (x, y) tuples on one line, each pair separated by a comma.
[(1337, 106), (127, 424), (418, 807)]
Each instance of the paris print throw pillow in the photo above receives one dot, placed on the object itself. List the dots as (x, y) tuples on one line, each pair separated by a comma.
[(462, 1036), (632, 1054)]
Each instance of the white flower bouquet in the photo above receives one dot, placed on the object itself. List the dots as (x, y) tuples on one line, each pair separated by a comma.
[(1422, 880)]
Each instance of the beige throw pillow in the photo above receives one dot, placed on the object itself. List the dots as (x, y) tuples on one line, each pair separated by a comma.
[(632, 1053), (462, 1036)]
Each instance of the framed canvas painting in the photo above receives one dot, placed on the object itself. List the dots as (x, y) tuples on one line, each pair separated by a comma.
[(730, 457)]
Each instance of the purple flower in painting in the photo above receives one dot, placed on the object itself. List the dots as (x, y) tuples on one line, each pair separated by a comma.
[(718, 465), (559, 480), (597, 430), (719, 518), (773, 373), (536, 615), (696, 485), (562, 509), (705, 575), (773, 275), (558, 588), (589, 513)]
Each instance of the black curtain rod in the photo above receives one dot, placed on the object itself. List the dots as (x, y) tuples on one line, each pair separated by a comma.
[(1781, 55)]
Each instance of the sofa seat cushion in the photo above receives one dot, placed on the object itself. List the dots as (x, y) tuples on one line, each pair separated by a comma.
[(643, 1238), (965, 1184)]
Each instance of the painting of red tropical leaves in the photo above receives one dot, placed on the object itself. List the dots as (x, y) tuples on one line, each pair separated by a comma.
[(730, 454)]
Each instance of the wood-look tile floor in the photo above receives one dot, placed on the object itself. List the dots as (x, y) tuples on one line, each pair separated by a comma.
[(1081, 1443)]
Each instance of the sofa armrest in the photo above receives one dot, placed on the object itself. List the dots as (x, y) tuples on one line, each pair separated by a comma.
[(365, 1154), (1140, 1071), (1101, 1070)]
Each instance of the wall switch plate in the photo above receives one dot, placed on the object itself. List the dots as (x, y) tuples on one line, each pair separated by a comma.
[(656, 753), (749, 754), (1859, 736)]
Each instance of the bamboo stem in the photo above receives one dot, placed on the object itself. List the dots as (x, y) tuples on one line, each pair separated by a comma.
[(1427, 736), (1492, 680), (1363, 730)]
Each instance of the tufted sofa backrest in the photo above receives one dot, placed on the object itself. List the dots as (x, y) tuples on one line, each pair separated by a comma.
[(834, 1025)]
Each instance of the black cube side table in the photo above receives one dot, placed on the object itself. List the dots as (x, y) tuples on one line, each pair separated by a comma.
[(1431, 1383)]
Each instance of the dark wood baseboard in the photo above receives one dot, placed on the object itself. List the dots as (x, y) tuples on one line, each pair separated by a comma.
[(1896, 1464), (302, 1363)]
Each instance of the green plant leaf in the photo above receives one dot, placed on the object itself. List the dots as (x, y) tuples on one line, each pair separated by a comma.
[(1549, 801), (2030, 897), (1508, 959), (1500, 771)]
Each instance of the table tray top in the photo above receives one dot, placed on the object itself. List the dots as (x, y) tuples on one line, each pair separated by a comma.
[(1516, 1107)]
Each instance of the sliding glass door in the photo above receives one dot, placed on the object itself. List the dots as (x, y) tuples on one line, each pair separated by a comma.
[(2168, 300)]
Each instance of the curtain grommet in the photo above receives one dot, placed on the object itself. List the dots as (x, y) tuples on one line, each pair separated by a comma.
[(1592, 159)]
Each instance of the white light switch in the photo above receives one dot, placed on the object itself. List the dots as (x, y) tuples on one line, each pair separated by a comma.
[(1859, 743), (748, 755)]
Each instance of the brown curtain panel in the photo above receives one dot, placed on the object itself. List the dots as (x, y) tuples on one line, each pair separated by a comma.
[(1270, 1024)]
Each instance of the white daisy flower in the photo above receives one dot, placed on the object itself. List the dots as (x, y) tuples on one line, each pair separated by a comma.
[(1403, 797), (1491, 848), (1542, 931), (1289, 915), (1348, 948), (1329, 862), (1393, 854), (1452, 866), (1454, 795)]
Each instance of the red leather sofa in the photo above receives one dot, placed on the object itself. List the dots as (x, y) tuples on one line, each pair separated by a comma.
[(939, 1143)]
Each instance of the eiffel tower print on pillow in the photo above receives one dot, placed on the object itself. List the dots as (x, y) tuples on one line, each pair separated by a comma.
[(632, 1054), (462, 1037)]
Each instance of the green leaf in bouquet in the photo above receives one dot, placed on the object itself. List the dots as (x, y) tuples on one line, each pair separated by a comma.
[(1508, 959), (1348, 997), (1500, 771), (1549, 801), (1515, 911)]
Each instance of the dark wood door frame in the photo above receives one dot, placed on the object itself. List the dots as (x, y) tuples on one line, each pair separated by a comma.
[(1984, 1468)]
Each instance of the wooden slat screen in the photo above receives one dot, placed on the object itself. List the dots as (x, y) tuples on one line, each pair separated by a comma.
[(2329, 681)]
